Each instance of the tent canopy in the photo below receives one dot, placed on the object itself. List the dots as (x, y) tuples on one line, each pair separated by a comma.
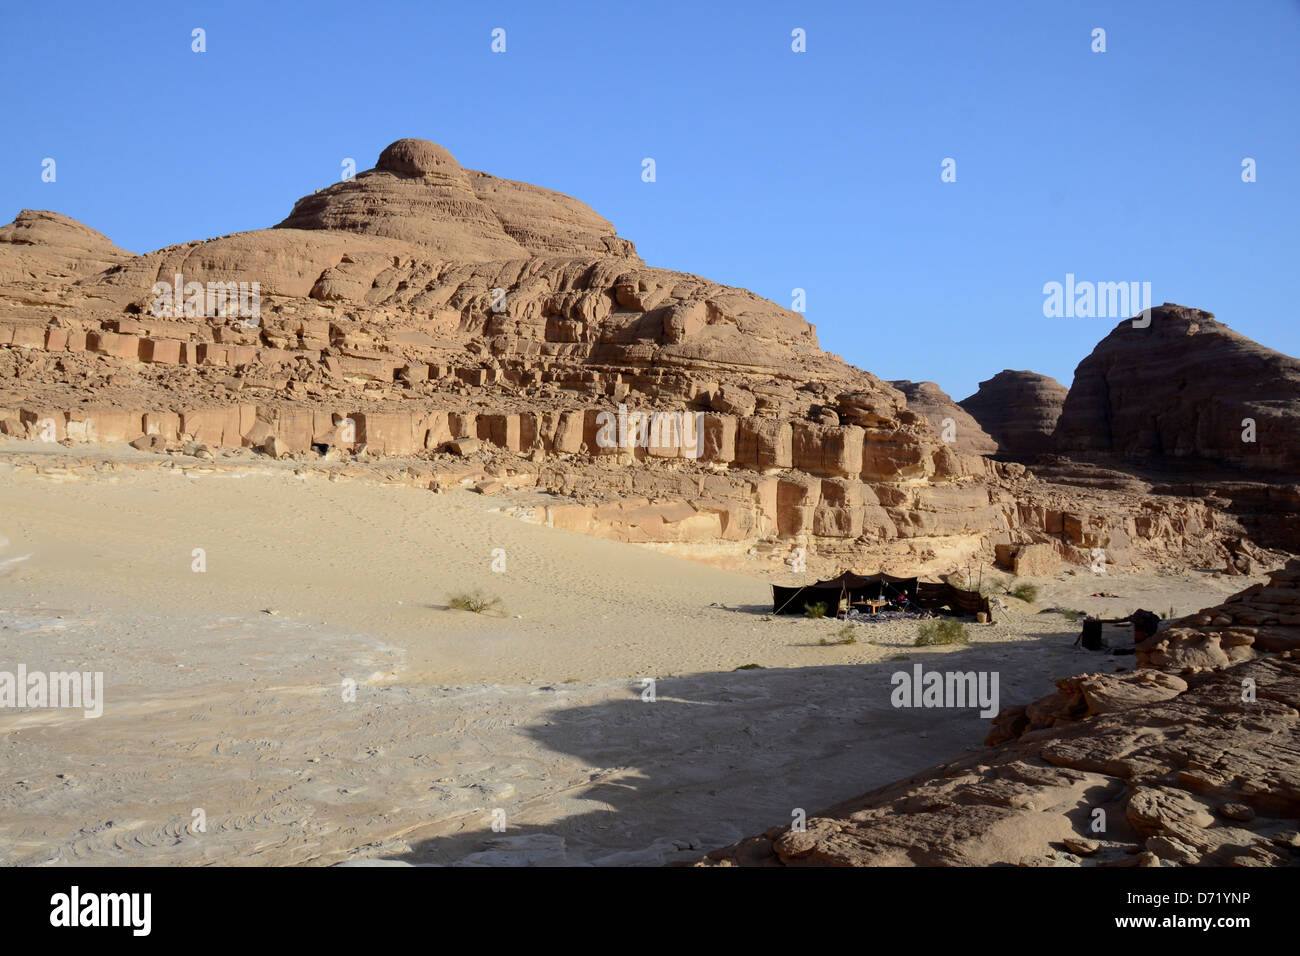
[(926, 595), (860, 587)]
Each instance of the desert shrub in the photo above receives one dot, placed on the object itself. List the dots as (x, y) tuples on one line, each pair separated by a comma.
[(943, 631), (815, 611), (473, 601), (844, 635), (1070, 614), (1025, 592)]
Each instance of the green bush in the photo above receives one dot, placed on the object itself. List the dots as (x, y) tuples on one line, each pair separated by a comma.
[(1026, 592), (815, 611), (475, 602), (943, 631), (844, 635)]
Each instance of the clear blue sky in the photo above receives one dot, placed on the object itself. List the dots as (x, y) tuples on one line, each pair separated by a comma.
[(776, 170)]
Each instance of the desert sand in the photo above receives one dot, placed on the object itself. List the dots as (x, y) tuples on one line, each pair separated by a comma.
[(225, 690)]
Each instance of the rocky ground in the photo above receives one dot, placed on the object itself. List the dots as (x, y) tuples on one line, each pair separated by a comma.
[(1192, 760)]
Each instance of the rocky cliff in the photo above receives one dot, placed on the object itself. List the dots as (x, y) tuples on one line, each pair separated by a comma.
[(1185, 386), (1019, 410), (949, 420)]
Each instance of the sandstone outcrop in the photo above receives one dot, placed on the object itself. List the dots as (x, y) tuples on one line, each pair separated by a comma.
[(46, 247), (1185, 387), (418, 193), (420, 303), (1261, 620), (943, 414), (1019, 410)]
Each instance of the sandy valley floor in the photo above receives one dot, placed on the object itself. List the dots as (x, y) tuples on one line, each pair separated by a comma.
[(225, 691)]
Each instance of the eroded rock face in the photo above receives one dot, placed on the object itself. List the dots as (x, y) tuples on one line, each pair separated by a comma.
[(1185, 770), (1263, 619), (428, 305), (1019, 410), (418, 193), (1186, 386), (548, 223), (947, 417), (418, 157), (42, 246)]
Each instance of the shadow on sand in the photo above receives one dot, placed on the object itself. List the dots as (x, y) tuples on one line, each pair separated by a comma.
[(719, 756)]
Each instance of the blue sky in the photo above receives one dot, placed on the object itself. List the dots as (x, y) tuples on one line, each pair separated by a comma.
[(776, 170)]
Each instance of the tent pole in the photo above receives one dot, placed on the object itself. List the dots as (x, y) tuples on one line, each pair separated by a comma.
[(802, 588)]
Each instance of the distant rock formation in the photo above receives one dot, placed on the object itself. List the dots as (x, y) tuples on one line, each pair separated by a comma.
[(1187, 768), (928, 399), (1019, 410), (41, 246), (1185, 386)]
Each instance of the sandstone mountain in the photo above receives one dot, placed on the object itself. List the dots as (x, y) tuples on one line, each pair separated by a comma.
[(420, 309), (418, 193), (1185, 387), (1019, 410), (486, 331)]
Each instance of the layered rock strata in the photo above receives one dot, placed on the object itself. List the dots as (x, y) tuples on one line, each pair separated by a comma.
[(1183, 385), (950, 421), (1019, 411)]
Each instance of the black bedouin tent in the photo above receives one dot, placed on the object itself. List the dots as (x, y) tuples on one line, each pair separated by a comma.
[(923, 595), (860, 587)]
